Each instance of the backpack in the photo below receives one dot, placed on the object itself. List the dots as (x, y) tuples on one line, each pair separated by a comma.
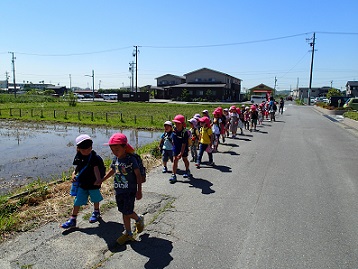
[(142, 168), (101, 166)]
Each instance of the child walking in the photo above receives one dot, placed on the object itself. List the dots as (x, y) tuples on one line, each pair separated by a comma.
[(87, 176), (127, 185), (181, 147), (205, 141), (166, 145), (194, 139)]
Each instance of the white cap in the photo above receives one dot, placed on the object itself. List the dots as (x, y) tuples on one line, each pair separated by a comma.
[(168, 123), (81, 138)]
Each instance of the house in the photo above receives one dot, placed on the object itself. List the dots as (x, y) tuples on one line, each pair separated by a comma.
[(164, 83), (352, 89), (262, 89), (202, 84), (302, 93)]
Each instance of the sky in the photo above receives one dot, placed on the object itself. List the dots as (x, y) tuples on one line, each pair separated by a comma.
[(256, 41)]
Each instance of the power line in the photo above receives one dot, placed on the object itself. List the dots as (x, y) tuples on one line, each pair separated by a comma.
[(73, 54), (226, 44)]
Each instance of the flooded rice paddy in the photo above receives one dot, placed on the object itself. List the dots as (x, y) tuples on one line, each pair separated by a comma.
[(31, 151)]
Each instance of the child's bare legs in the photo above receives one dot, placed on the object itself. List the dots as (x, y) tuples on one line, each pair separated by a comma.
[(175, 165), (75, 210), (127, 221), (186, 163)]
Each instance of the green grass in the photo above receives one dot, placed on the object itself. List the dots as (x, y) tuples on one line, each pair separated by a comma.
[(118, 114), (352, 115)]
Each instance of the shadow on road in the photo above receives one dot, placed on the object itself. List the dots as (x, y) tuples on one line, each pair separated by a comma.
[(156, 249), (199, 183), (231, 153), (109, 231)]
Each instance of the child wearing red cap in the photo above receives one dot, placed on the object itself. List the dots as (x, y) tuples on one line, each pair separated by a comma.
[(254, 115), (181, 142), (127, 184), (234, 120), (205, 141)]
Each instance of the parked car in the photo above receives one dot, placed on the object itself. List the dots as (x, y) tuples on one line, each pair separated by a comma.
[(321, 100), (351, 103), (79, 96)]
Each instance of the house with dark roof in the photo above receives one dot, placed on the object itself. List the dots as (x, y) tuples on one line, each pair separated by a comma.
[(352, 89), (164, 83), (262, 89), (302, 93), (205, 84)]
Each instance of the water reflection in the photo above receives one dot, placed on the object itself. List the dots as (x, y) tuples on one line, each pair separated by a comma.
[(39, 150)]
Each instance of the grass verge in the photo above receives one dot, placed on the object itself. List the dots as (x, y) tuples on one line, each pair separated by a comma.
[(42, 202)]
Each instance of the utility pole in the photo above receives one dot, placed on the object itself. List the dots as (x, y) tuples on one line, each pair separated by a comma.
[(274, 92), (310, 85), (70, 82), (93, 85), (99, 84), (135, 53), (7, 81), (131, 69), (298, 89), (13, 72)]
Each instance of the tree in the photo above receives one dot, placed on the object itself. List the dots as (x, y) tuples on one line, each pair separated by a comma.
[(185, 96), (333, 92)]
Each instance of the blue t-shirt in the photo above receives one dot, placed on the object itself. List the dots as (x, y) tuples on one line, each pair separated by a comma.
[(125, 180), (167, 140), (180, 138)]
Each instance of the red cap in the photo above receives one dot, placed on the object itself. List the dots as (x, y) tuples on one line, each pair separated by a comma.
[(120, 139), (205, 119), (180, 119)]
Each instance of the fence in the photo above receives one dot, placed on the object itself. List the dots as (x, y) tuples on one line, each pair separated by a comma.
[(100, 117)]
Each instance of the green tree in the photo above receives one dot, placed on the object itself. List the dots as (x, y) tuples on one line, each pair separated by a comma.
[(185, 96), (333, 92)]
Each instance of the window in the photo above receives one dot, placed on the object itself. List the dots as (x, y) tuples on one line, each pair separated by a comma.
[(200, 92)]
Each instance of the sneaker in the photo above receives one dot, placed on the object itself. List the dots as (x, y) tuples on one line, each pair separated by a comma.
[(95, 217), (211, 164), (124, 238), (139, 224), (173, 179), (165, 169), (71, 223), (197, 166), (186, 174)]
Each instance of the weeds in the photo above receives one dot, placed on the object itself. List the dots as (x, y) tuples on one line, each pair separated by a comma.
[(41, 202)]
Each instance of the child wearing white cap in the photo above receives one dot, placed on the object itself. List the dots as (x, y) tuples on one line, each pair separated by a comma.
[(87, 176), (166, 145)]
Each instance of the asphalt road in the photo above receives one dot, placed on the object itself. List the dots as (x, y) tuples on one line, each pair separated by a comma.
[(282, 197)]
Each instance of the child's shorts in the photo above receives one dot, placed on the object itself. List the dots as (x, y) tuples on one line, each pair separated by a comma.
[(185, 153), (82, 196), (167, 155), (125, 202)]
